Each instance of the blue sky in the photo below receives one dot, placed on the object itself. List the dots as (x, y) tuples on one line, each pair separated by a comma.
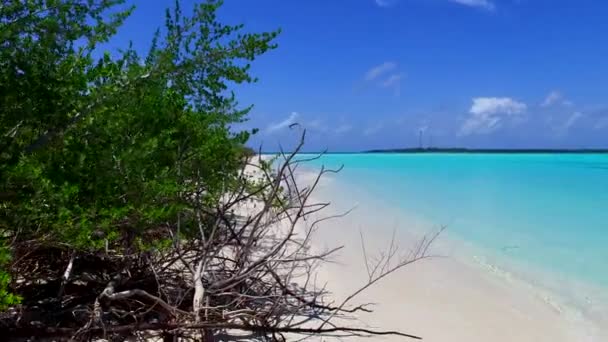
[(363, 74)]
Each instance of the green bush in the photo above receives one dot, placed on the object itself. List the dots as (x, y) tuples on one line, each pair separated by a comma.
[(97, 155)]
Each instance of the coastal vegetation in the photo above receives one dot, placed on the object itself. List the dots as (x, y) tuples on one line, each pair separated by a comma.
[(129, 204)]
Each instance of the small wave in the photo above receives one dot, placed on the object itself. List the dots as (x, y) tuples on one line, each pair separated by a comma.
[(494, 269), (575, 312)]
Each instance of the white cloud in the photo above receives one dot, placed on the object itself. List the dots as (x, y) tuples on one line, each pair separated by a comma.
[(484, 4), (572, 119), (487, 114), (496, 105), (551, 99), (385, 76), (562, 129), (343, 128), (568, 103), (274, 127), (555, 97), (385, 3), (373, 129), (379, 70), (393, 82)]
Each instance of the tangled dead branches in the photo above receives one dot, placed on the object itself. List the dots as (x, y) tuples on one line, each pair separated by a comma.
[(248, 274)]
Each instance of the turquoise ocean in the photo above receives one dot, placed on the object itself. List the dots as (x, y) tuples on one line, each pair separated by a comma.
[(542, 218)]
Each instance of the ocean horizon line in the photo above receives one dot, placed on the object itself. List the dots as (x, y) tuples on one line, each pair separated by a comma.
[(458, 150)]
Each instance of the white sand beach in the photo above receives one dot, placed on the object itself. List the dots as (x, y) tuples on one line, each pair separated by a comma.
[(439, 299)]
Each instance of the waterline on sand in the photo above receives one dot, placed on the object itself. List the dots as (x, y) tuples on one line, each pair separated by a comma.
[(474, 284)]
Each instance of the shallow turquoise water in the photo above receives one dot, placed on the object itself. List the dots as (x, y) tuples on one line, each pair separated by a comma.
[(540, 211)]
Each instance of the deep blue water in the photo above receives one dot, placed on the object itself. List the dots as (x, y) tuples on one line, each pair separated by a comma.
[(545, 211)]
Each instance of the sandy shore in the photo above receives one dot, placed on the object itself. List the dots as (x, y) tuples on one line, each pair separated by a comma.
[(440, 299)]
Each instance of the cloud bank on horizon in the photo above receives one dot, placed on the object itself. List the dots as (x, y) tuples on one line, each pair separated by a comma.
[(484, 117)]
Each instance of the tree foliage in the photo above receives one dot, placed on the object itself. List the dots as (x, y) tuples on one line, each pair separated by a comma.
[(97, 152)]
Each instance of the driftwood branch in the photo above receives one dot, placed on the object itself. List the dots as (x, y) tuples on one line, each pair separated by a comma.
[(64, 332)]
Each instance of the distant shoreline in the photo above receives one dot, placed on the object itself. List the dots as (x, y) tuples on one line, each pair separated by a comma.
[(459, 151), (487, 150)]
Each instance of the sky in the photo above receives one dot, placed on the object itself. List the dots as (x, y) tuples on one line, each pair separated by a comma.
[(366, 74)]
